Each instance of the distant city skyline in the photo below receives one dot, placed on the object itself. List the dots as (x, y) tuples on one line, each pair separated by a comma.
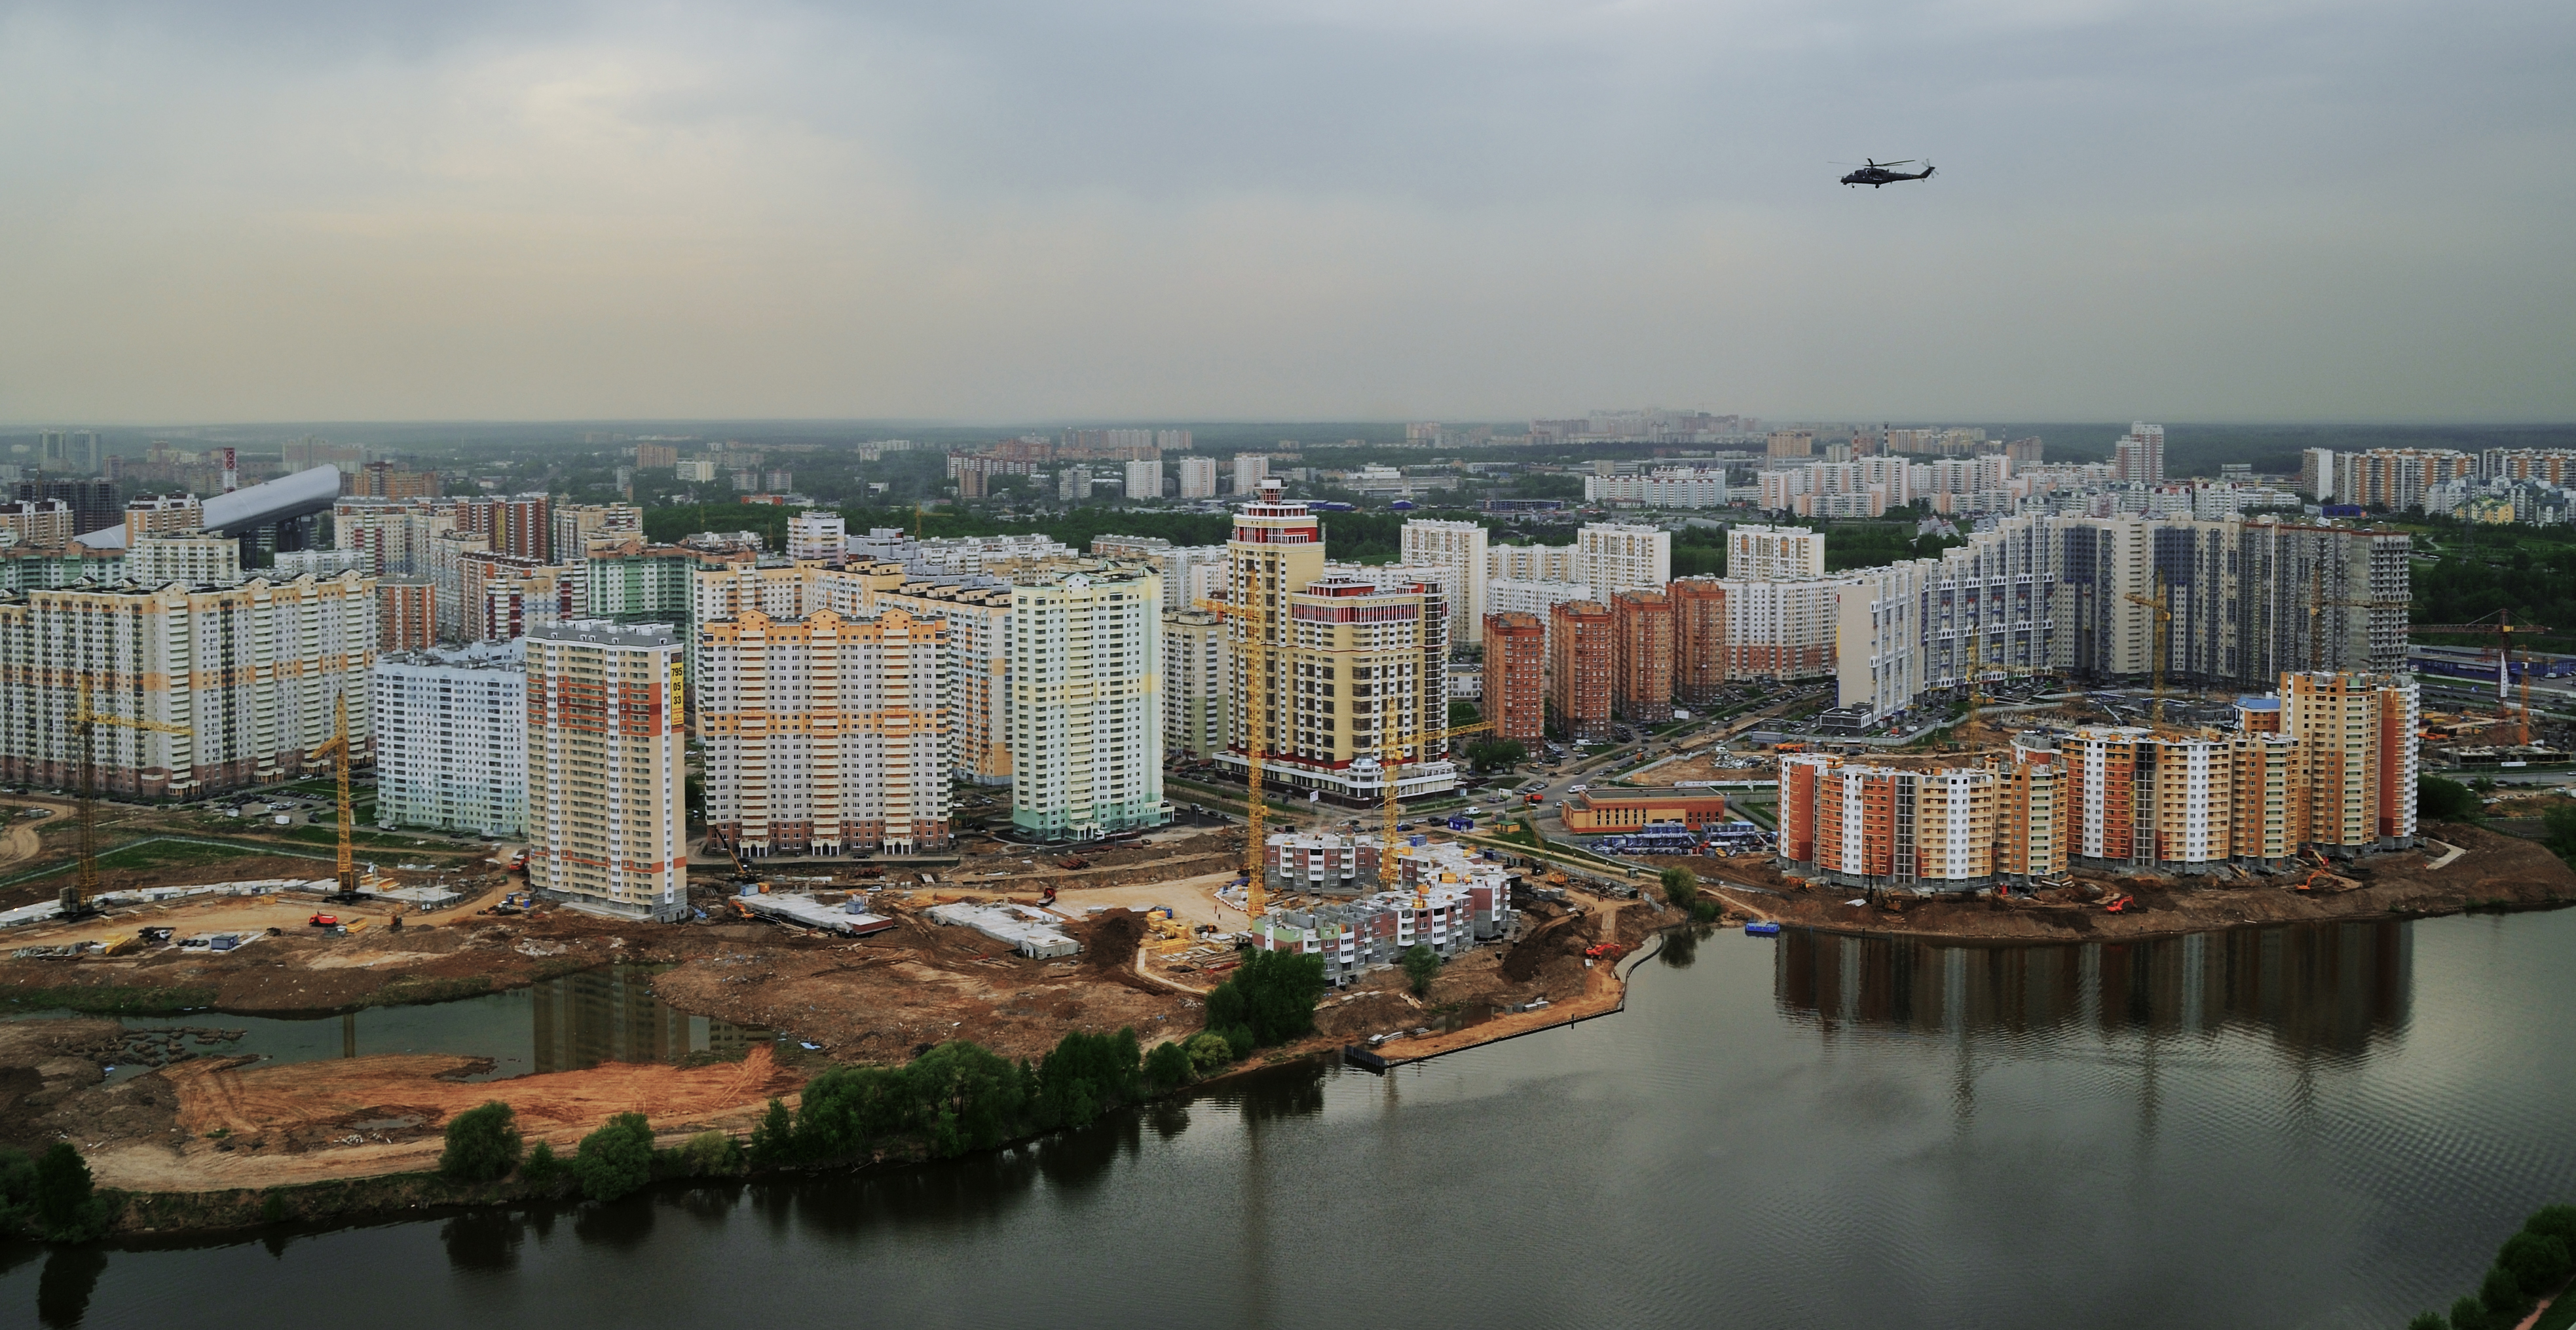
[(1286, 211)]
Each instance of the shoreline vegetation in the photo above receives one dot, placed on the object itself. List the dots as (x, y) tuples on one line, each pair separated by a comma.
[(953, 1099)]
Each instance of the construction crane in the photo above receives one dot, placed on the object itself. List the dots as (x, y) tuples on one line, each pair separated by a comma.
[(339, 748), (1391, 764), (1256, 728), (2162, 604), (75, 900)]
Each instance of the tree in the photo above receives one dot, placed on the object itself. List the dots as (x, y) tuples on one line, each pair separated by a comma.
[(2467, 1313), (2558, 830), (1421, 966), (616, 1159), (1272, 994), (1169, 1066), (1463, 713), (2441, 800), (2557, 1221), (541, 1168), (2428, 1321), (2536, 1261), (2503, 1295), (773, 1140), (67, 1206), (1493, 754), (482, 1144), (1681, 887)]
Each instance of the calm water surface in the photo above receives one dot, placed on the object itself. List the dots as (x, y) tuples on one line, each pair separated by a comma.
[(2328, 1126)]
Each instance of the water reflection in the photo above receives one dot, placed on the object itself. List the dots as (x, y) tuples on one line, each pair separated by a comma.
[(612, 1015), (484, 1240), (69, 1277), (2329, 988)]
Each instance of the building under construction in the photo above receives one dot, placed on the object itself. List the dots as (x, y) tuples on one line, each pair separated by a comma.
[(1441, 897)]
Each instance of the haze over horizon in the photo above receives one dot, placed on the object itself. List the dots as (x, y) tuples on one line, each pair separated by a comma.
[(1286, 211)]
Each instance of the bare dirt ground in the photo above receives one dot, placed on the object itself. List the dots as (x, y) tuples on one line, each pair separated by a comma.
[(2496, 870)]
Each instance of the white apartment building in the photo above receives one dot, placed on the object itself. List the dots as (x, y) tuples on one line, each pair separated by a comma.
[(1616, 557), (1530, 563), (36, 522), (1198, 477), (1774, 551), (1073, 483), (452, 748), (1459, 549), (1194, 674), (194, 559), (817, 535), (254, 672), (1781, 628), (2139, 455), (1191, 573), (1665, 487), (1250, 469), (392, 534), (1512, 595), (606, 726), (827, 735), (1144, 478), (1878, 637), (1086, 712), (318, 562)]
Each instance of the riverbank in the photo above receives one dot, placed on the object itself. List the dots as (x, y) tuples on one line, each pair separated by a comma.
[(2492, 871)]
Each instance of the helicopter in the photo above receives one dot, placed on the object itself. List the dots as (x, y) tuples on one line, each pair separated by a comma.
[(1879, 173)]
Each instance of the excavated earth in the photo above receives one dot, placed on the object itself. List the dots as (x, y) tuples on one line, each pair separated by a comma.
[(2497, 871)]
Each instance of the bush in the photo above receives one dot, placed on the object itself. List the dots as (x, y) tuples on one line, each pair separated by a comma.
[(1681, 887), (541, 1168), (616, 1159), (1273, 993), (2469, 1314), (2537, 1261), (773, 1141), (68, 1208), (482, 1144), (1421, 966), (710, 1153), (2429, 1321), (1238, 1039), (1169, 1066), (1210, 1051), (2439, 799)]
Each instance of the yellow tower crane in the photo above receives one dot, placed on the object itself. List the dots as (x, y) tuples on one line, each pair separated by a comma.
[(2162, 604), (1256, 729), (76, 900), (1391, 766), (339, 747)]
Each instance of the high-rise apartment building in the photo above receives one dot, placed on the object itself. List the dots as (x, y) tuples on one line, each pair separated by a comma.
[(1516, 677), (452, 739), (1191, 573), (1642, 687), (1356, 662), (406, 614), (2397, 478), (656, 456), (93, 502), (1198, 477), (190, 559), (606, 724), (979, 637), (1699, 639), (1250, 469), (817, 535), (1531, 563), (1582, 670), (287, 652), (827, 735), (579, 526), (2139, 455), (1086, 709), (162, 515), (2356, 736), (1194, 677), (33, 522), (1616, 557), (1458, 547), (517, 524), (1145, 478), (1792, 443), (1774, 552)]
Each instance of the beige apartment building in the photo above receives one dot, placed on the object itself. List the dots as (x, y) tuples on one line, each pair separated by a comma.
[(606, 725)]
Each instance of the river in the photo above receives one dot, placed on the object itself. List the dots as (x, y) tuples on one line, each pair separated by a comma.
[(2313, 1126)]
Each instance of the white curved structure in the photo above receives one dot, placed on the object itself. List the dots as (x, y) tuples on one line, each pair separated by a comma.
[(279, 500)]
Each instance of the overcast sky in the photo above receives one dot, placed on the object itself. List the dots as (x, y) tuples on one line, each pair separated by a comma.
[(1175, 209)]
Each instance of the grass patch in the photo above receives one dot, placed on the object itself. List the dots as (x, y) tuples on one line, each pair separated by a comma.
[(156, 853), (106, 1000)]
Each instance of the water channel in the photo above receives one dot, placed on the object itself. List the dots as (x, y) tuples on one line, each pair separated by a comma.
[(2315, 1126)]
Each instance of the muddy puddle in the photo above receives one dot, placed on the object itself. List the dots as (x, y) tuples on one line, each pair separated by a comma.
[(566, 1024)]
